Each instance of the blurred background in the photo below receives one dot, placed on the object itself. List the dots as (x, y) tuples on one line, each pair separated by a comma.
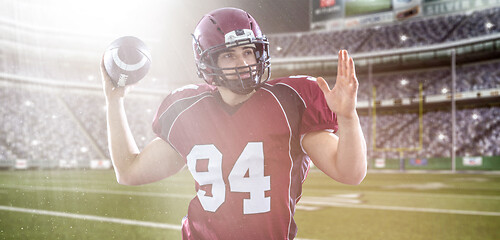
[(429, 73), (409, 55)]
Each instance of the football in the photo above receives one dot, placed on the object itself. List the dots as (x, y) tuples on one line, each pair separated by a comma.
[(127, 60)]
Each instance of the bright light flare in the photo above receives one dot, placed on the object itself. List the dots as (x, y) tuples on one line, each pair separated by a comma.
[(404, 82), (441, 137), (475, 116), (489, 25)]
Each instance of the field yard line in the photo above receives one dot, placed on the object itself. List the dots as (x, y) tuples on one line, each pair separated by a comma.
[(92, 218), (97, 218), (83, 190), (398, 208), (431, 195)]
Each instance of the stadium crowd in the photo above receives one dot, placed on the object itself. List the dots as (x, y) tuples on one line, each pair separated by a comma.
[(407, 34), (45, 125)]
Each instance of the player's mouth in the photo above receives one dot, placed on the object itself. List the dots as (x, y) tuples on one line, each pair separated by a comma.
[(244, 75)]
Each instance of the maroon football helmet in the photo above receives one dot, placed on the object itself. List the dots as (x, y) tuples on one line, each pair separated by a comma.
[(226, 28)]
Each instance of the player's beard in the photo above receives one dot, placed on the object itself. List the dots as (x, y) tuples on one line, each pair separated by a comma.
[(241, 83)]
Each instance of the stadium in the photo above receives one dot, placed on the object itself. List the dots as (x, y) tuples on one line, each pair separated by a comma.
[(428, 100)]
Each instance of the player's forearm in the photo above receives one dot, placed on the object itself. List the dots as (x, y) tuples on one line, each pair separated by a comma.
[(122, 146), (351, 152)]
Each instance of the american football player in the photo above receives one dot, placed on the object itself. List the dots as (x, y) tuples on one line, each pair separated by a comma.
[(248, 141)]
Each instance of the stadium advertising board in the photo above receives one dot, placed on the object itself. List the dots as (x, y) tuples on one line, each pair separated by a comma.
[(100, 164), (330, 14), (364, 7), (367, 12), (404, 9), (379, 163), (326, 13), (436, 7), (21, 164), (472, 161), (369, 19), (68, 164)]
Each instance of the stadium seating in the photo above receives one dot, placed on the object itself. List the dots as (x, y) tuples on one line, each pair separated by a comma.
[(45, 125), (407, 34), (396, 130), (39, 125), (478, 76)]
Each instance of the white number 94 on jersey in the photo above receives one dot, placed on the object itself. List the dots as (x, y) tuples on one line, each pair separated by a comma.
[(251, 160)]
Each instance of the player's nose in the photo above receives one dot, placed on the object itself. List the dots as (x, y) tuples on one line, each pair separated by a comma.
[(241, 61)]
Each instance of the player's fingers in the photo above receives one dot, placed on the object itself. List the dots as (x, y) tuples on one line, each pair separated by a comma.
[(108, 85), (351, 69), (345, 58), (323, 85), (340, 62)]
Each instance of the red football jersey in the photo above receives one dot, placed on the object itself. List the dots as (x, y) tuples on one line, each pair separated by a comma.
[(247, 160)]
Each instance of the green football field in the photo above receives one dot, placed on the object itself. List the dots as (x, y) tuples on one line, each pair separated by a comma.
[(91, 205)]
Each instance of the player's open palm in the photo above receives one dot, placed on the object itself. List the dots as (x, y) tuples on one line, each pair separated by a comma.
[(343, 96)]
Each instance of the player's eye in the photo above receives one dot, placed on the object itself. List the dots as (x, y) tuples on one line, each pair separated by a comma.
[(227, 55), (249, 52)]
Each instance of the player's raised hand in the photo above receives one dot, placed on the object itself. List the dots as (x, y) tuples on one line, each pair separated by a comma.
[(343, 96)]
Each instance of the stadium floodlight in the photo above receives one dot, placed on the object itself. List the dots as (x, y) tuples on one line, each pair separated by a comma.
[(404, 82), (488, 25), (441, 137)]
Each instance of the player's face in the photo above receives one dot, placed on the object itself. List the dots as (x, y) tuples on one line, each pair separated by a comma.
[(240, 56)]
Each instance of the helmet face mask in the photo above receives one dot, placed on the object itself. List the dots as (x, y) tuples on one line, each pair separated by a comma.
[(220, 31)]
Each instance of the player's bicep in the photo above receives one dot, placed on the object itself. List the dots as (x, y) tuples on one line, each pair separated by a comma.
[(156, 161), (321, 147)]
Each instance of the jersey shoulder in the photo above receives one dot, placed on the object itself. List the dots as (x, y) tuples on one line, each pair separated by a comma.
[(186, 92), (297, 81), (179, 99), (305, 86)]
